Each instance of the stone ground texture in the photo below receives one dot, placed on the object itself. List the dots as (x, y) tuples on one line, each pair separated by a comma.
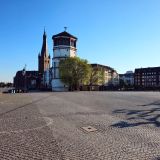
[(49, 126)]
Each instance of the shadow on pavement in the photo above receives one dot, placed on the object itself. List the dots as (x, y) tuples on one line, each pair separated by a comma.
[(145, 116)]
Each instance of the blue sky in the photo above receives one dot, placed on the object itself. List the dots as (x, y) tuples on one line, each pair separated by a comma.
[(123, 34)]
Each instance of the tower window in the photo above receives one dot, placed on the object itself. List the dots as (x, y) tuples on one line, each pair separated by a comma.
[(55, 42), (72, 43)]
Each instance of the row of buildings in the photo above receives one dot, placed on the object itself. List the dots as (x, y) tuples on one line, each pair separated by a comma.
[(47, 76), (142, 78), (65, 45), (147, 78)]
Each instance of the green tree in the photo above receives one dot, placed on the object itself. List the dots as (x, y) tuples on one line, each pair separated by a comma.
[(9, 84), (96, 76), (74, 71), (2, 84)]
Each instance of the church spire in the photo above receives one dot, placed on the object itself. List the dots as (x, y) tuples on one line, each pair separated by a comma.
[(44, 58), (44, 34), (44, 50)]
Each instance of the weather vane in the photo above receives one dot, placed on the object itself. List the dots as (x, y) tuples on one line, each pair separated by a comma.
[(65, 28)]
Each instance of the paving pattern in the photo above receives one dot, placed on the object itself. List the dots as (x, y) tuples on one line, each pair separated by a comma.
[(126, 126)]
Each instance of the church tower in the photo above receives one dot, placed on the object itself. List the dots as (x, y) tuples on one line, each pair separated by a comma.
[(64, 45), (44, 57)]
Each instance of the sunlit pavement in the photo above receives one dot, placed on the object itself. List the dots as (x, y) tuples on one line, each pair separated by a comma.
[(80, 125)]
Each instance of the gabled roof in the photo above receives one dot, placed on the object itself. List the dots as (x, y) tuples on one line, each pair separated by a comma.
[(64, 34)]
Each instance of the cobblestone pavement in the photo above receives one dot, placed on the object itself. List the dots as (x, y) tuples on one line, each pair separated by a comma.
[(49, 126)]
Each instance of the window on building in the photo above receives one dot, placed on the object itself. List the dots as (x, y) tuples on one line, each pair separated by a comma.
[(72, 43)]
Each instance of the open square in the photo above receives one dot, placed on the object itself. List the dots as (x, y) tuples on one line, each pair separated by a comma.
[(49, 125)]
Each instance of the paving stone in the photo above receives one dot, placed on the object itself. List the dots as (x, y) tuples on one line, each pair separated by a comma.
[(49, 126)]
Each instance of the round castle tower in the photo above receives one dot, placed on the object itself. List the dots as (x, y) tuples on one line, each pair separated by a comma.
[(64, 45)]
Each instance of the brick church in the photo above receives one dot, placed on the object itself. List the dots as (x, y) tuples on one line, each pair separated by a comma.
[(31, 80), (64, 45)]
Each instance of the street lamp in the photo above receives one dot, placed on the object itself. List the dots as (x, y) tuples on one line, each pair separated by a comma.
[(24, 74)]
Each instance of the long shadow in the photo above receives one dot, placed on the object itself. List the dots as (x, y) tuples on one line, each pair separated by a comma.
[(141, 117), (153, 103)]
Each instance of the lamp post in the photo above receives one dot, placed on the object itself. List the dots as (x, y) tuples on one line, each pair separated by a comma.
[(24, 74)]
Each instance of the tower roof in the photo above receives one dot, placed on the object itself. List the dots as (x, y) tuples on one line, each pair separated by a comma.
[(44, 50), (64, 34)]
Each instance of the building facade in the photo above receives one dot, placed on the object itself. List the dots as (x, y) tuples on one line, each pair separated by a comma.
[(26, 80), (34, 79), (111, 77), (64, 45), (127, 78), (147, 78), (47, 79)]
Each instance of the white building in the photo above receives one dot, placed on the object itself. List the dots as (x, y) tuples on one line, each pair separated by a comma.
[(128, 78), (47, 75), (111, 77), (64, 45)]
